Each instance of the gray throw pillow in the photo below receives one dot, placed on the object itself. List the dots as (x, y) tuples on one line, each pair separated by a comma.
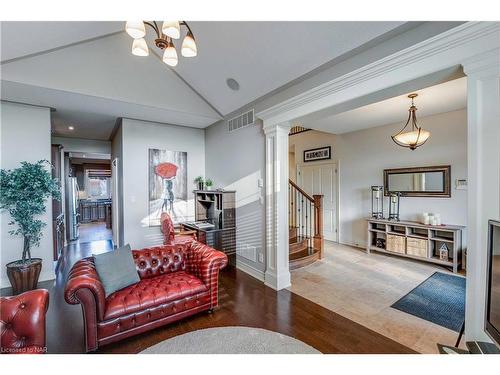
[(116, 269)]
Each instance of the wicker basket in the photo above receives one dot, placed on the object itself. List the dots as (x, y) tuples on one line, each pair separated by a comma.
[(416, 247), (395, 244)]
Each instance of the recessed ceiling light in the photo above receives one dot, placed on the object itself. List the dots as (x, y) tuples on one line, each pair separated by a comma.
[(71, 128), (232, 84)]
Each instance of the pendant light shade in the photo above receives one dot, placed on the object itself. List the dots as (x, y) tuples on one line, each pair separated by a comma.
[(170, 55), (414, 137), (163, 39), (189, 48), (135, 29), (140, 47), (171, 29)]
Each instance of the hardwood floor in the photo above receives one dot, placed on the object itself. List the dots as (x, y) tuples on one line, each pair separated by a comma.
[(94, 232), (243, 301)]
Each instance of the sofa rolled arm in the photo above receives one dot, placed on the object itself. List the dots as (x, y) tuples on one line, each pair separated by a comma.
[(205, 263), (83, 275), (84, 287)]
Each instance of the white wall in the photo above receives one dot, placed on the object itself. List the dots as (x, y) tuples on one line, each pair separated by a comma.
[(137, 138), (236, 161), (25, 136), (83, 145), (363, 155), (305, 141)]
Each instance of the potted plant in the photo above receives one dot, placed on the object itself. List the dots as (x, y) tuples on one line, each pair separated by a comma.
[(199, 180), (23, 192), (208, 183)]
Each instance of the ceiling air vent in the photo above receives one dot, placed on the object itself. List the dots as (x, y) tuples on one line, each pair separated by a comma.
[(241, 121)]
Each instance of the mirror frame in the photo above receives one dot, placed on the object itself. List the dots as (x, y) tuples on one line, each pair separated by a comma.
[(446, 169)]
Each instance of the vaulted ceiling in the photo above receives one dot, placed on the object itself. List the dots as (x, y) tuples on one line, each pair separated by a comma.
[(85, 71)]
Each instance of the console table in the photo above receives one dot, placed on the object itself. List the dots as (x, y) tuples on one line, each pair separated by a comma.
[(414, 240)]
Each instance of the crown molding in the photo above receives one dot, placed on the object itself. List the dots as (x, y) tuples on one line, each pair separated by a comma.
[(447, 41)]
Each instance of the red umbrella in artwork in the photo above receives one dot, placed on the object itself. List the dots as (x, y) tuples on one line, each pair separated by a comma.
[(166, 170)]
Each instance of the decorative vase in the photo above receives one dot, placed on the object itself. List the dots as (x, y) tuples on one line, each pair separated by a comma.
[(24, 276), (201, 186)]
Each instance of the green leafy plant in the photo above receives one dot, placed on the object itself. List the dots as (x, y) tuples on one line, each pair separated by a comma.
[(209, 183), (23, 192), (198, 180)]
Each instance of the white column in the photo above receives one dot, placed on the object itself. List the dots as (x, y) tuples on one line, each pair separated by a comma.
[(483, 142), (277, 274)]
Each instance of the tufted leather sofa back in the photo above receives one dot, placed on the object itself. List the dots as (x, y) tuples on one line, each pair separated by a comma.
[(160, 260), (22, 322), (167, 228)]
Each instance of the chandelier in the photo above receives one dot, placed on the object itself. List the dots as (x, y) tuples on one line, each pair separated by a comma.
[(415, 137), (164, 39)]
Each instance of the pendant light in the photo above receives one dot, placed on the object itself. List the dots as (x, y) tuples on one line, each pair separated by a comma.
[(140, 47), (188, 48), (171, 29), (165, 35), (170, 55), (414, 137), (135, 29)]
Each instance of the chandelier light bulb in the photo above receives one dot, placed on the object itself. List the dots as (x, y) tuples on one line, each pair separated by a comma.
[(171, 29), (135, 29), (140, 47), (170, 55), (189, 48)]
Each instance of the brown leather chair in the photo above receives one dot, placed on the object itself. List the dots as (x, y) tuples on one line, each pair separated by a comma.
[(177, 281), (22, 322)]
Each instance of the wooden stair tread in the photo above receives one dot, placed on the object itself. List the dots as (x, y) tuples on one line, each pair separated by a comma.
[(303, 258), (300, 245)]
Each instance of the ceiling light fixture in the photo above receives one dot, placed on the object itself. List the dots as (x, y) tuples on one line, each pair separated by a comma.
[(164, 39), (415, 137), (71, 127)]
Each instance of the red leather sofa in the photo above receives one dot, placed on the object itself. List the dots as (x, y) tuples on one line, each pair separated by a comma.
[(177, 281), (22, 322)]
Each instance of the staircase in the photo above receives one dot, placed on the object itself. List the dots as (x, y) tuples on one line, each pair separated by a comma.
[(305, 219)]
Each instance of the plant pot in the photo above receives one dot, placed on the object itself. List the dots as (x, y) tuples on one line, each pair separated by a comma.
[(24, 276), (201, 186)]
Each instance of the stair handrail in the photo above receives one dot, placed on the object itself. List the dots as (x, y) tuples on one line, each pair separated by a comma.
[(315, 235), (301, 191)]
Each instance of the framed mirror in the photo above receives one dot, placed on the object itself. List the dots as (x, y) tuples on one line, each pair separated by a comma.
[(419, 182)]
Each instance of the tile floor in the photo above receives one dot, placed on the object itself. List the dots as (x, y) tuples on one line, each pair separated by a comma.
[(362, 287)]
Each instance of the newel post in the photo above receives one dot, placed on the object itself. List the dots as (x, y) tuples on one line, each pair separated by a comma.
[(318, 224)]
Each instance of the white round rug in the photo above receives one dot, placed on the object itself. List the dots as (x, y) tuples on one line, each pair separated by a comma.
[(231, 340)]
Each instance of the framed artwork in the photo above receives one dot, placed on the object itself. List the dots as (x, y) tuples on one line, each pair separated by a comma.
[(322, 153), (167, 185)]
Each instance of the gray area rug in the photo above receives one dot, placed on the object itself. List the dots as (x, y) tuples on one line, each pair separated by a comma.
[(231, 340)]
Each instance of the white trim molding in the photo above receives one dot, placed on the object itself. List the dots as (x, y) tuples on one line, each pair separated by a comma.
[(476, 47), (483, 150), (254, 272), (463, 41), (277, 274)]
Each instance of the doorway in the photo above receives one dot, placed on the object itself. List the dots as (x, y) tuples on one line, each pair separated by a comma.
[(323, 179), (88, 197)]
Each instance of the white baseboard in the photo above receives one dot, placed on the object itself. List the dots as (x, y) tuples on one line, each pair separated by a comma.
[(254, 272)]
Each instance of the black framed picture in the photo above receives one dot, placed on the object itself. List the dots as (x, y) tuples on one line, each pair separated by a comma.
[(315, 154)]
